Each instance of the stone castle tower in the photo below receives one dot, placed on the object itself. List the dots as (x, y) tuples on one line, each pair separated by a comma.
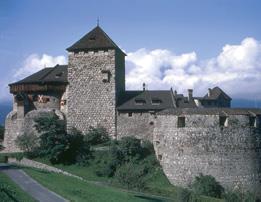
[(96, 77)]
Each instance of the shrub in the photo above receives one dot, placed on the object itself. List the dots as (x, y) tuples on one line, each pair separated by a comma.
[(2, 131), (27, 142), (185, 195), (130, 147), (7, 193), (207, 185), (131, 176), (235, 196), (59, 146), (97, 136)]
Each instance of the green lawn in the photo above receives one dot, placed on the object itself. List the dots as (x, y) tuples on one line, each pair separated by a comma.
[(77, 190), (10, 192), (157, 182)]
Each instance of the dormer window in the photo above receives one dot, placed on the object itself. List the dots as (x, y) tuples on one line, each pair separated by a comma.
[(156, 101), (140, 101), (58, 75), (106, 76), (92, 38)]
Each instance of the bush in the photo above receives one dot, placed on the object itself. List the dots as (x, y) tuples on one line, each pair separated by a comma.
[(236, 196), (97, 136), (185, 195), (27, 142), (7, 193), (59, 146), (130, 147), (131, 176), (208, 186), (2, 131)]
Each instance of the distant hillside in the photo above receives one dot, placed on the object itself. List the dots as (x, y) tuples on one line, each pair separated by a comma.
[(246, 103), (5, 108)]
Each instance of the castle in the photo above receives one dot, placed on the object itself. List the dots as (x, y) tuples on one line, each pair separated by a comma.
[(191, 135)]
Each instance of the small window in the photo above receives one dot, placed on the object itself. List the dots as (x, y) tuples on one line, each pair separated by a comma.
[(58, 75), (223, 121), (92, 38), (140, 102), (130, 114), (252, 121), (106, 76), (160, 157), (156, 102), (181, 122), (151, 123)]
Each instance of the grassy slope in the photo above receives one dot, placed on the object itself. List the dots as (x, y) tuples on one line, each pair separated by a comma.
[(76, 190), (20, 195), (157, 182)]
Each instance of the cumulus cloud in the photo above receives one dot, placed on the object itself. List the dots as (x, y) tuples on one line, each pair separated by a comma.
[(31, 64), (35, 62), (237, 69)]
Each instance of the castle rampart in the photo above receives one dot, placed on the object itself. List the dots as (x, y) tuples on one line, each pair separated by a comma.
[(229, 150)]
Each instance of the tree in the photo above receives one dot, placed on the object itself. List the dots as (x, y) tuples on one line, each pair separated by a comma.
[(207, 185), (96, 136), (27, 142), (58, 145)]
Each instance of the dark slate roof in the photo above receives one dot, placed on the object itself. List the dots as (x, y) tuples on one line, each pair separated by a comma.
[(94, 40), (142, 100), (184, 102), (212, 111), (215, 93), (56, 74)]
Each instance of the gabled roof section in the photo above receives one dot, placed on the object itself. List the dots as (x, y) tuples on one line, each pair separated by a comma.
[(215, 93), (94, 40), (145, 100), (56, 74)]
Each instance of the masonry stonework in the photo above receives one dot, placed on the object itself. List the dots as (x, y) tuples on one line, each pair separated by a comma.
[(92, 99), (231, 154)]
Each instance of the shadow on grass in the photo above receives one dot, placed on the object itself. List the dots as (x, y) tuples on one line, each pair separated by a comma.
[(150, 198)]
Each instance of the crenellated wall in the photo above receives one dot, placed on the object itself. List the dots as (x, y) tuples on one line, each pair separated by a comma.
[(231, 154)]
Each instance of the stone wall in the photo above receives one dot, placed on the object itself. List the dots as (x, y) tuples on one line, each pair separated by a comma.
[(18, 125), (139, 124), (92, 91), (231, 154)]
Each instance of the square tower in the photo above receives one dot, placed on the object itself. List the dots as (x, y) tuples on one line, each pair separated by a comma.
[(96, 76)]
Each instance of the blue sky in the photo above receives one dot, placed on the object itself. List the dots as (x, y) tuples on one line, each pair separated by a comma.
[(186, 34)]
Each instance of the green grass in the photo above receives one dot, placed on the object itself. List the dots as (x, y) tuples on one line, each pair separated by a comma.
[(77, 190), (157, 182), (14, 192)]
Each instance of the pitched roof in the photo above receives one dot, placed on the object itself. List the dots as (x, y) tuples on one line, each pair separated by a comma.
[(212, 111), (145, 100), (215, 93), (56, 74), (94, 40)]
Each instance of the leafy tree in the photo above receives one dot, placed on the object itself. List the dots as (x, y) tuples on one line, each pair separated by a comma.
[(130, 147), (58, 145), (207, 185), (27, 142), (96, 136)]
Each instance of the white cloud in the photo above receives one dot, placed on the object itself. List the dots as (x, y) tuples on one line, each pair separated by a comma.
[(31, 64), (34, 63), (237, 69)]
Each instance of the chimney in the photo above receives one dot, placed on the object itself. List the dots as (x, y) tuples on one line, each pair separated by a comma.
[(209, 92), (190, 94), (143, 86)]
